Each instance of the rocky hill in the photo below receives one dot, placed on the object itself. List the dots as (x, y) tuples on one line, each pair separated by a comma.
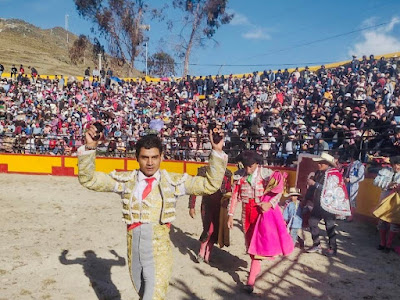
[(45, 49)]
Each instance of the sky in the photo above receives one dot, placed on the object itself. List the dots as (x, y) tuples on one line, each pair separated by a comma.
[(263, 34)]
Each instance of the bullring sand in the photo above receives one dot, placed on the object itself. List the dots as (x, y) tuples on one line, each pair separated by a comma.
[(61, 241)]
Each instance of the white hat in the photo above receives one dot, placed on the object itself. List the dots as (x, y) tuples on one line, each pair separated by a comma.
[(326, 158), (293, 192), (301, 122)]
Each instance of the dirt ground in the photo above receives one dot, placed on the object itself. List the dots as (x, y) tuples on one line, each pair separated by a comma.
[(61, 241)]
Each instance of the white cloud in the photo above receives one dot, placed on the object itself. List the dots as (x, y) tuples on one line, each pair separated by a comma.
[(389, 27), (377, 41), (369, 22), (239, 19), (256, 33)]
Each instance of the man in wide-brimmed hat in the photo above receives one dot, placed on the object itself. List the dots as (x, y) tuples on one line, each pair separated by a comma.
[(330, 199)]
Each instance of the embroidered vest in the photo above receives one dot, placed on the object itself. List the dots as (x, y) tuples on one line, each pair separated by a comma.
[(158, 207), (248, 192)]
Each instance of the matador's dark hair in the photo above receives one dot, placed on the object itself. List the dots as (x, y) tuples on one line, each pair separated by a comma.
[(148, 142), (249, 158)]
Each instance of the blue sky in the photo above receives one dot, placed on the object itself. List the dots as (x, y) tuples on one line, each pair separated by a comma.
[(263, 34)]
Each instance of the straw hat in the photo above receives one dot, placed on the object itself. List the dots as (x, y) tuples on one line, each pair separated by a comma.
[(300, 122), (325, 157), (293, 192)]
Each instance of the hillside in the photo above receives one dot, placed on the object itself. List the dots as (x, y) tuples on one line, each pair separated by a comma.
[(45, 49)]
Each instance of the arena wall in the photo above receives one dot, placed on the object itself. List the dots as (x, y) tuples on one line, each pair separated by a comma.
[(367, 199)]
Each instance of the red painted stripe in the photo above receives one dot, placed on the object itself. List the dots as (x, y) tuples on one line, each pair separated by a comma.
[(3, 168), (62, 171)]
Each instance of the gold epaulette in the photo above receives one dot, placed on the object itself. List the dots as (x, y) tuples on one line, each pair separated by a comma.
[(123, 176)]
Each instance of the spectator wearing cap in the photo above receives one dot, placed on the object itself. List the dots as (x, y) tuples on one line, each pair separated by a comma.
[(120, 147), (290, 149), (292, 215), (112, 146)]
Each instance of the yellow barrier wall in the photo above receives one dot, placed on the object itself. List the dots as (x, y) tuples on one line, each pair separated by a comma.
[(30, 163), (72, 162), (108, 165), (171, 166)]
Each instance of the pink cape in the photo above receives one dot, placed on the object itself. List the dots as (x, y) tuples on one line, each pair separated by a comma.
[(270, 236)]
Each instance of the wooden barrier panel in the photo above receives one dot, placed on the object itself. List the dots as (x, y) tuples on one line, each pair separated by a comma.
[(29, 164)]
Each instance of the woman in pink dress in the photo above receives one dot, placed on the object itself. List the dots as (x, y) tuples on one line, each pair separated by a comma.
[(259, 190)]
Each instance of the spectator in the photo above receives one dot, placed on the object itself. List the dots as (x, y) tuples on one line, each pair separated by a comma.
[(96, 72), (14, 72)]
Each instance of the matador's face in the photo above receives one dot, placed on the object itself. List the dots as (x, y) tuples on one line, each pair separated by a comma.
[(251, 169), (149, 161)]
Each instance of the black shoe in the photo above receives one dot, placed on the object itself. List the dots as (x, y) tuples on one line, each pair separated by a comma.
[(248, 288), (330, 252), (380, 247), (315, 249)]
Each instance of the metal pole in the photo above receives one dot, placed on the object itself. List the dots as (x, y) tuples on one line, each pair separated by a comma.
[(99, 61), (146, 57), (145, 27), (66, 26)]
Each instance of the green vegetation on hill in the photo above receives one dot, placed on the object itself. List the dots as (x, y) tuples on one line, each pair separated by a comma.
[(45, 49)]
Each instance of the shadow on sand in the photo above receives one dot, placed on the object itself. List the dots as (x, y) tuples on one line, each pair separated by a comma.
[(98, 270)]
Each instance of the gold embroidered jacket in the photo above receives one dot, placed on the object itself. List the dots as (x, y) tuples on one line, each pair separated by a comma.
[(159, 205)]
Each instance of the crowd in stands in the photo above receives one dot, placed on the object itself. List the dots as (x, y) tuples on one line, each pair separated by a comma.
[(353, 107)]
